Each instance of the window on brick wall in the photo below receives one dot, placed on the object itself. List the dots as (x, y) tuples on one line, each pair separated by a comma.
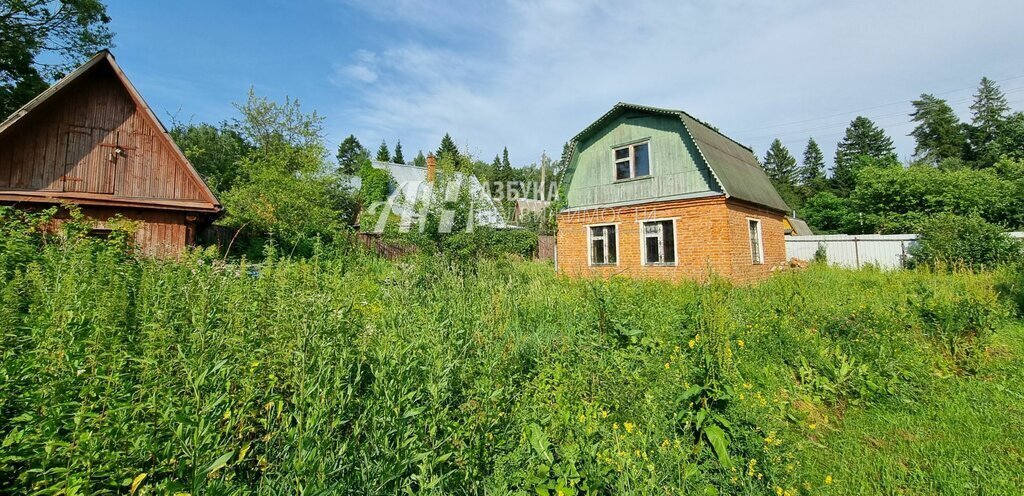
[(603, 245), (632, 161), (658, 242), (756, 243)]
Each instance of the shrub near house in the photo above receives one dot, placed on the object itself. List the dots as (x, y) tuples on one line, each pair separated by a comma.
[(656, 193)]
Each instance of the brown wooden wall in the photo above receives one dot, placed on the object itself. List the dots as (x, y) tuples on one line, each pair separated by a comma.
[(160, 233), (67, 145)]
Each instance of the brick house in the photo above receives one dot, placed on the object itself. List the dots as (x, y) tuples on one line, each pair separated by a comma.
[(657, 193)]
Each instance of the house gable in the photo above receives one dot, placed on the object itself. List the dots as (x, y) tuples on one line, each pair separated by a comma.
[(676, 167), (725, 166), (91, 139)]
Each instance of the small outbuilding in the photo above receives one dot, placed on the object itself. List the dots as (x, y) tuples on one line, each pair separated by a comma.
[(796, 227), (91, 140)]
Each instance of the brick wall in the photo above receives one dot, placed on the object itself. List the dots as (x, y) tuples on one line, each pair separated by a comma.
[(711, 236), (772, 234)]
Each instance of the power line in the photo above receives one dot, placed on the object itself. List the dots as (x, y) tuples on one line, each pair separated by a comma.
[(824, 127), (769, 126)]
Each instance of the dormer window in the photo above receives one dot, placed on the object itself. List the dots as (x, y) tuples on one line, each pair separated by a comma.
[(632, 161)]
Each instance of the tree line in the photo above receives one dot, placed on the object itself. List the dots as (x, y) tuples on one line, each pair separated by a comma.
[(973, 168)]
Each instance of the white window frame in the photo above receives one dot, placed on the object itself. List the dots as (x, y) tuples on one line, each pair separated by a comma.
[(643, 243), (760, 242), (590, 244), (632, 160)]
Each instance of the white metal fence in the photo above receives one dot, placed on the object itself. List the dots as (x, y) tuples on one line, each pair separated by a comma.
[(887, 251)]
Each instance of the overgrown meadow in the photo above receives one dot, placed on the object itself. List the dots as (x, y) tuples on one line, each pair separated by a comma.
[(345, 373)]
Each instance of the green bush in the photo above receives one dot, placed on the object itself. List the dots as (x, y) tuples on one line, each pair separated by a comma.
[(520, 242), (954, 241), (960, 318), (483, 242), (375, 186)]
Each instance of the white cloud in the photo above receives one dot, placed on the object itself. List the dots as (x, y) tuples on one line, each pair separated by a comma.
[(363, 70), (360, 72), (530, 75)]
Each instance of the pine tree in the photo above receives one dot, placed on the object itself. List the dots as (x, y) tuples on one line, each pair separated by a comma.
[(398, 158), (863, 143), (989, 109), (419, 160), (351, 155), (504, 172), (938, 133), (447, 148), (779, 164), (812, 172), (383, 155)]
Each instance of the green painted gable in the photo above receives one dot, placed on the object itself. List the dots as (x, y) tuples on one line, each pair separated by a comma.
[(676, 167), (689, 159)]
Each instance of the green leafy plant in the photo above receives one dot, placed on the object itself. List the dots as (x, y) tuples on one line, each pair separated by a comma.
[(970, 242)]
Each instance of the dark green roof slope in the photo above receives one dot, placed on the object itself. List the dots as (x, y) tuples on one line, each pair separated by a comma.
[(733, 165)]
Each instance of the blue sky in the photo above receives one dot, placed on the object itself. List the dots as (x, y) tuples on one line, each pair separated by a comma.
[(531, 74)]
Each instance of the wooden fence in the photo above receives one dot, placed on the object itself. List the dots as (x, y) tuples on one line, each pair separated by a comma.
[(545, 248), (384, 249)]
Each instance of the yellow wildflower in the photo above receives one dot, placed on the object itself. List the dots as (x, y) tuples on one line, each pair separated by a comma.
[(828, 479), (812, 426), (692, 343), (615, 426), (740, 343), (583, 418), (666, 365), (604, 413), (629, 427)]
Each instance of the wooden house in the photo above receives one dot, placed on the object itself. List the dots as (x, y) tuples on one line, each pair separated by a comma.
[(657, 193), (91, 140)]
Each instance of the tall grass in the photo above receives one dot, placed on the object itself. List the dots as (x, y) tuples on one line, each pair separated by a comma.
[(356, 375)]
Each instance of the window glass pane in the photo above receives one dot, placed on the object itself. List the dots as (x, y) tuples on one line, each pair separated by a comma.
[(755, 242), (612, 255), (597, 251), (653, 249), (669, 240), (621, 153), (642, 160), (622, 170)]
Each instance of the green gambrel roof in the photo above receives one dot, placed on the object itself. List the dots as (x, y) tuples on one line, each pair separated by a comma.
[(732, 164)]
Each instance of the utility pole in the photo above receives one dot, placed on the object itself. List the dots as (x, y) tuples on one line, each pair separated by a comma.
[(543, 172)]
